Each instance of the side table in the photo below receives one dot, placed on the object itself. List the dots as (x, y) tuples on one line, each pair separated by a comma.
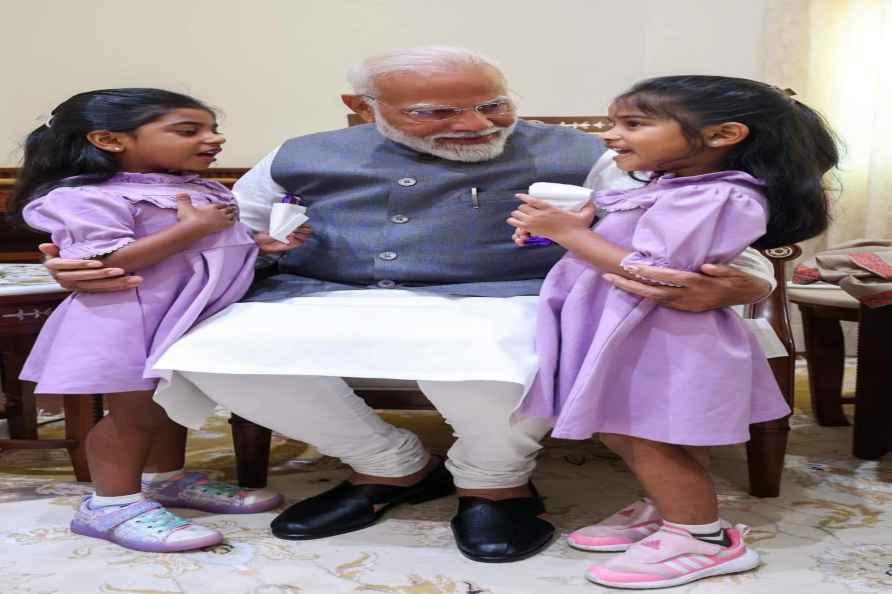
[(822, 309), (23, 310)]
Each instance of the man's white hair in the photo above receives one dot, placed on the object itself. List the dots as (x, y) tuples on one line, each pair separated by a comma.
[(431, 58)]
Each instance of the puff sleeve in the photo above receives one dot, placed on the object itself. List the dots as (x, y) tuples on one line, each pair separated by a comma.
[(690, 226), (83, 221)]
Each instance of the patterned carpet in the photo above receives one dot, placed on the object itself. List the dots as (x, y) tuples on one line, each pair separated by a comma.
[(830, 532)]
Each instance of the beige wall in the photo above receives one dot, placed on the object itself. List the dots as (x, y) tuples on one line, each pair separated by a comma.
[(276, 67)]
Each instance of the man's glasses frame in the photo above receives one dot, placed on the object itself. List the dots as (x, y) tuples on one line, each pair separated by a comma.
[(500, 106)]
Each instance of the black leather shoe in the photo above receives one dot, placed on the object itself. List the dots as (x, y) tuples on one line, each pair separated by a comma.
[(501, 531), (349, 507)]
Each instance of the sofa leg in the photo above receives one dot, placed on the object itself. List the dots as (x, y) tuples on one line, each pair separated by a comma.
[(872, 435), (765, 456), (251, 443), (825, 356)]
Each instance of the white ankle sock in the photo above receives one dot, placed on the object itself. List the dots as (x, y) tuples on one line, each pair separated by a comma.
[(697, 529), (157, 477), (97, 501), (712, 533)]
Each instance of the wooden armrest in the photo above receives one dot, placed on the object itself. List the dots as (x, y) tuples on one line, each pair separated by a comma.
[(773, 308)]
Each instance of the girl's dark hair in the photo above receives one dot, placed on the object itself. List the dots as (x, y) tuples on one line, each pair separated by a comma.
[(789, 147), (59, 149)]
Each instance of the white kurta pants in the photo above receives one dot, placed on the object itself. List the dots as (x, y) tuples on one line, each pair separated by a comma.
[(489, 452), (280, 365)]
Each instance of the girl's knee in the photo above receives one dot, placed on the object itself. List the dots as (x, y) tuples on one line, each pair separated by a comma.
[(137, 410)]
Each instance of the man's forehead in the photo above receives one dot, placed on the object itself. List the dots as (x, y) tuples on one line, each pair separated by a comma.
[(465, 83)]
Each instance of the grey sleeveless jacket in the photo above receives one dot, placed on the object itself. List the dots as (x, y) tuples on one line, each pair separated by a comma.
[(386, 216)]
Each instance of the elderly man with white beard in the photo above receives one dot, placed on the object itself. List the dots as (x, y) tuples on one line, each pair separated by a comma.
[(410, 273)]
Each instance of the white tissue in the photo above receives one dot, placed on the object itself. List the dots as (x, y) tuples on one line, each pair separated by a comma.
[(284, 219), (564, 196)]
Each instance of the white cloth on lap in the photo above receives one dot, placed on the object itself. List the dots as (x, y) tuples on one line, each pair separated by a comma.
[(391, 334), (380, 333)]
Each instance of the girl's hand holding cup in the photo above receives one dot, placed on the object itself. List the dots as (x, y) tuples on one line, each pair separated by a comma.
[(520, 236), (538, 217)]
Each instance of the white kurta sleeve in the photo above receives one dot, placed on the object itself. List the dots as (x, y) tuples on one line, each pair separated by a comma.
[(755, 264), (605, 175), (256, 192)]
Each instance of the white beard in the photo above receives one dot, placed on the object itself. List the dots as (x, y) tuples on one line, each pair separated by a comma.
[(470, 153)]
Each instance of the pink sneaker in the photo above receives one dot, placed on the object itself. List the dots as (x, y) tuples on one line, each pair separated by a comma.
[(615, 533), (142, 526), (196, 491), (672, 557)]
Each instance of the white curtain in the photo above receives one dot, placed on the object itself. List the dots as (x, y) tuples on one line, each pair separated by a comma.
[(837, 55)]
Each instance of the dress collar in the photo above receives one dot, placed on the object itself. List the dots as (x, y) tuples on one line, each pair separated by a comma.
[(156, 178), (730, 175), (131, 177)]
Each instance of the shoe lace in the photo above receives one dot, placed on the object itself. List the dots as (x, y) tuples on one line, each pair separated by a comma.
[(160, 521)]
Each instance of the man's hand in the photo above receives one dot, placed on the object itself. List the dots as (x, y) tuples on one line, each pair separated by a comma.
[(718, 286), (268, 245), (88, 276)]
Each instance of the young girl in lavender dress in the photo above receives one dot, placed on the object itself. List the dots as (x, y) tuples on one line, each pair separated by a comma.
[(739, 163), (112, 175)]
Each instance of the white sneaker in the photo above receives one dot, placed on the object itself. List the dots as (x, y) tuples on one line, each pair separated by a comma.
[(672, 557), (616, 533)]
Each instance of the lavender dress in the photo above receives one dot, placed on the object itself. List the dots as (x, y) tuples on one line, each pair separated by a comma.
[(612, 362), (107, 342)]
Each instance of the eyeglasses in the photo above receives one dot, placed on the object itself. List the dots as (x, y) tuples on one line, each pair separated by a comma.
[(495, 108)]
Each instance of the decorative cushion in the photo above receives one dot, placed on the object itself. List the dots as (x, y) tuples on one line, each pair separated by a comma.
[(830, 296)]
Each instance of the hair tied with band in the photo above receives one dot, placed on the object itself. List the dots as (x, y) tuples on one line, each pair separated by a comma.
[(48, 122)]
